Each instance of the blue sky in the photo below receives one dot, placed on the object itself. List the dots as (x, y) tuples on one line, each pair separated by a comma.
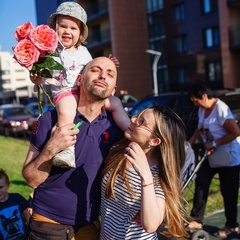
[(12, 14)]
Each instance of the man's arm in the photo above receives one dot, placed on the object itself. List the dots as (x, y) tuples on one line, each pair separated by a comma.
[(38, 165)]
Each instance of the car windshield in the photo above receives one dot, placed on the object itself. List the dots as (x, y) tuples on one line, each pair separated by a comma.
[(16, 111)]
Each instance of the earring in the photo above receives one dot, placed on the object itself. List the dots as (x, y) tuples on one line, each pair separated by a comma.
[(149, 146)]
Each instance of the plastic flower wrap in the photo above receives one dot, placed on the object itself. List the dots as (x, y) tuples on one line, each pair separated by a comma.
[(35, 50)]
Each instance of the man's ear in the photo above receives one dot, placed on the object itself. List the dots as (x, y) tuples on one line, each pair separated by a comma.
[(79, 78)]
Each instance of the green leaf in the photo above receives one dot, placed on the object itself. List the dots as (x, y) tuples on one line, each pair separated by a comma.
[(45, 73), (49, 63)]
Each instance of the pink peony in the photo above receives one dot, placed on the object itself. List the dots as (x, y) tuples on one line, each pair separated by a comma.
[(44, 38), (25, 53), (23, 31)]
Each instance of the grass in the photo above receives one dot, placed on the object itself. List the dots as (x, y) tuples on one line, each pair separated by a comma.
[(13, 152)]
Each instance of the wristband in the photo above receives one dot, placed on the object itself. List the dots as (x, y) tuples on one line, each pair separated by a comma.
[(214, 144), (145, 185)]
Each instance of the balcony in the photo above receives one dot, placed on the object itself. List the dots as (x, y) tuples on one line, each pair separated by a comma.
[(233, 3), (100, 39), (234, 37), (97, 9)]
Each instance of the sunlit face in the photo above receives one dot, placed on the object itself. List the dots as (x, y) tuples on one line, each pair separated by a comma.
[(3, 190), (141, 129), (68, 31), (99, 78)]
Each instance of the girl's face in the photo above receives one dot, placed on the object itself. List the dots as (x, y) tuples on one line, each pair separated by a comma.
[(3, 190), (141, 129), (68, 31)]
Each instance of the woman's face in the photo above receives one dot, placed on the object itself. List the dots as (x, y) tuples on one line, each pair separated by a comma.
[(199, 102), (141, 129)]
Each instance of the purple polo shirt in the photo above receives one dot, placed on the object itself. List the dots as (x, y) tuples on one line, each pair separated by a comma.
[(72, 196)]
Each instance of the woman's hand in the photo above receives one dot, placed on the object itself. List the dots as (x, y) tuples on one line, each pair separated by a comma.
[(136, 156)]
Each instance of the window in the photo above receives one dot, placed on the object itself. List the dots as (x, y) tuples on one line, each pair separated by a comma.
[(214, 71), (207, 6), (155, 26), (182, 76), (153, 5), (96, 33), (178, 12), (181, 45), (211, 37), (6, 81)]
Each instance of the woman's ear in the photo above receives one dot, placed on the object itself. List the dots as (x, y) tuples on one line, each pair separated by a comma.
[(155, 142)]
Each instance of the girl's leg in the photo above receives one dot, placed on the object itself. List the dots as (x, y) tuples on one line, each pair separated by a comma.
[(66, 109)]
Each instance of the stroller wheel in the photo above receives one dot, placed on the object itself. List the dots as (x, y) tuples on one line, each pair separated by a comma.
[(200, 235)]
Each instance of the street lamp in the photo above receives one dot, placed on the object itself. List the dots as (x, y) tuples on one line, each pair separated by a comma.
[(157, 55)]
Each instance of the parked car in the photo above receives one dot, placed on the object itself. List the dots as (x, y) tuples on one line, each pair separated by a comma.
[(34, 107), (232, 99), (178, 101), (128, 101), (14, 119), (182, 105)]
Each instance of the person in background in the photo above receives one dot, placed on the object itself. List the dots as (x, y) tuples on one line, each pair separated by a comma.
[(69, 22), (142, 180), (66, 202), (217, 128), (14, 215)]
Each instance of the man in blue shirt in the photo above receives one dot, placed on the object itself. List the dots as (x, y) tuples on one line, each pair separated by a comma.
[(66, 201)]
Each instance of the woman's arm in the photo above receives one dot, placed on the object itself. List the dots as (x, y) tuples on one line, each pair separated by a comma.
[(233, 131), (194, 137), (152, 207)]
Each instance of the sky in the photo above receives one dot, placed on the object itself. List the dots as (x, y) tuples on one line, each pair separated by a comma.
[(12, 14)]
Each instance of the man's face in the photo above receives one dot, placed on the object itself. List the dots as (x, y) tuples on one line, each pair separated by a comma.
[(99, 78)]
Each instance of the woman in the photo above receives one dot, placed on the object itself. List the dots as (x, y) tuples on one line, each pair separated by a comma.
[(141, 183), (217, 127)]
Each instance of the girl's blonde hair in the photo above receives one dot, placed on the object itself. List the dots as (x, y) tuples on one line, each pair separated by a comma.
[(171, 157)]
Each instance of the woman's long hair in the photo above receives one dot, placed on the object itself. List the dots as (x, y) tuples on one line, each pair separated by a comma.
[(171, 157)]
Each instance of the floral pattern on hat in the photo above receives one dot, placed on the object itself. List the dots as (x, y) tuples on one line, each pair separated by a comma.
[(71, 9)]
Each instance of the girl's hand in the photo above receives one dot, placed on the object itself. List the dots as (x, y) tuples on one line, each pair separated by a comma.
[(115, 60), (36, 79)]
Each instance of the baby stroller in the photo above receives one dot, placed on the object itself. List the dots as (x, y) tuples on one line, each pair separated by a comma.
[(190, 168)]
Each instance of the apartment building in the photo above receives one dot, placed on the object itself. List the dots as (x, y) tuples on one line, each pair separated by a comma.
[(199, 40), (14, 80)]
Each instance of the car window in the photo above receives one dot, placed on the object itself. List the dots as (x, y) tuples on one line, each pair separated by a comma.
[(16, 111), (151, 101)]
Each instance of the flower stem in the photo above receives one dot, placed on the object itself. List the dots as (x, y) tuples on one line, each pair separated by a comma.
[(48, 97), (40, 107)]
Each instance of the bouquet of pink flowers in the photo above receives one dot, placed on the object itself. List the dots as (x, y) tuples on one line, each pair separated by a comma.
[(34, 51)]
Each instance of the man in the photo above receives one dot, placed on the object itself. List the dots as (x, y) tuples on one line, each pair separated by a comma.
[(66, 201)]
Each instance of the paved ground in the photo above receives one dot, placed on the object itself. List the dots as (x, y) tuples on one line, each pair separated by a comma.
[(217, 220)]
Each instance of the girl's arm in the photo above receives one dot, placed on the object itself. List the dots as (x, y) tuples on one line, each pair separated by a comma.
[(114, 105)]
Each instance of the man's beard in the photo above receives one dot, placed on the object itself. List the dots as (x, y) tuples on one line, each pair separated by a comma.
[(98, 94)]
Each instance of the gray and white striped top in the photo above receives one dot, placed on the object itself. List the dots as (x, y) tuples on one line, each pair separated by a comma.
[(117, 214)]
